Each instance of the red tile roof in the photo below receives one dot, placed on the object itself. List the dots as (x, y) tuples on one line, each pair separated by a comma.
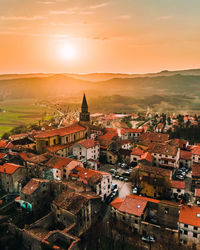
[(89, 175), (196, 150), (117, 203), (196, 170), (190, 215), (131, 205), (185, 155), (137, 151), (197, 192), (32, 186), (2, 155), (55, 148), (108, 136), (6, 144), (9, 168), (133, 130), (153, 137), (144, 198), (146, 156), (88, 143), (62, 131), (178, 184), (58, 162)]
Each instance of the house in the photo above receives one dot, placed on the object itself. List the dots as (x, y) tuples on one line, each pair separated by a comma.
[(131, 211), (36, 195), (196, 153), (185, 159), (65, 137), (86, 149), (76, 210), (197, 195), (146, 158), (112, 157), (12, 177), (136, 153), (61, 167), (149, 137), (131, 133), (93, 164), (126, 144), (189, 224), (5, 145), (178, 189), (165, 155), (100, 182), (195, 176), (153, 181)]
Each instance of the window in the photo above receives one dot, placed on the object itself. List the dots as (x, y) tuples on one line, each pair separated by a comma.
[(195, 228), (136, 221), (54, 141), (185, 232), (185, 225), (123, 218), (66, 139), (74, 137), (166, 210), (195, 235), (47, 143)]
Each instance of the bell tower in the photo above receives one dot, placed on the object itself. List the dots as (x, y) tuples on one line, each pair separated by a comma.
[(84, 114)]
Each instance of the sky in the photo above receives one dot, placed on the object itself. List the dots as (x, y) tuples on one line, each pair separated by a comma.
[(83, 36)]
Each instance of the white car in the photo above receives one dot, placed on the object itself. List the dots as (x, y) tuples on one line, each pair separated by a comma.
[(135, 190)]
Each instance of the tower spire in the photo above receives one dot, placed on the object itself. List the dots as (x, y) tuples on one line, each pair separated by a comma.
[(84, 114)]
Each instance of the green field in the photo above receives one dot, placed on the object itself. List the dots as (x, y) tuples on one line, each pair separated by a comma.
[(20, 112)]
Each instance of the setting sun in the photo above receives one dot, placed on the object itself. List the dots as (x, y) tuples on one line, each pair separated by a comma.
[(68, 52)]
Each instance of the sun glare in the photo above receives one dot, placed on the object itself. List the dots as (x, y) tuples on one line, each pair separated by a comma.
[(68, 52)]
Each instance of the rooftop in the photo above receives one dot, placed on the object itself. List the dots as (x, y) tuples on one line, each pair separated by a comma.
[(74, 128), (185, 155), (58, 162), (88, 143), (9, 168), (196, 169), (137, 151), (190, 215), (33, 185), (178, 184)]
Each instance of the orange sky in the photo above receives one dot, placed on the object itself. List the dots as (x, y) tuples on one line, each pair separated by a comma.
[(132, 36)]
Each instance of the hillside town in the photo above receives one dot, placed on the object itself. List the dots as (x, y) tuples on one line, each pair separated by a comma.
[(117, 176)]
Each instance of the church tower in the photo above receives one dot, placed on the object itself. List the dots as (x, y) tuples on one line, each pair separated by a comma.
[(84, 114)]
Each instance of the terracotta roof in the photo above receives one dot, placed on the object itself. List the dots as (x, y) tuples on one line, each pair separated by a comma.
[(108, 136), (144, 198), (131, 205), (197, 192), (190, 215), (32, 186), (18, 136), (196, 170), (92, 160), (153, 137), (164, 148), (155, 170), (179, 142), (9, 168), (26, 155), (133, 130), (117, 203), (196, 150), (185, 155), (123, 142), (178, 184), (137, 151), (62, 131), (73, 202), (2, 155), (58, 162), (88, 143), (146, 156), (89, 175), (6, 144), (40, 158)]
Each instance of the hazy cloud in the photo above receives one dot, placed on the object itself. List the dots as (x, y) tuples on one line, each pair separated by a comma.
[(21, 18), (45, 2), (124, 17), (101, 5), (165, 17)]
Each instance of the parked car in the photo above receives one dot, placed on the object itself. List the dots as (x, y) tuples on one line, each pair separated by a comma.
[(135, 190), (121, 178), (112, 170), (117, 177), (180, 177), (198, 203), (126, 174), (126, 179), (123, 165), (148, 238)]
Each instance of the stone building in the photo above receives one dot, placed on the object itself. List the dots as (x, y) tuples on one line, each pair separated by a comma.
[(12, 177)]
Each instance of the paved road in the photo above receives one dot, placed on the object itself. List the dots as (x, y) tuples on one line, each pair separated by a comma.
[(123, 187)]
